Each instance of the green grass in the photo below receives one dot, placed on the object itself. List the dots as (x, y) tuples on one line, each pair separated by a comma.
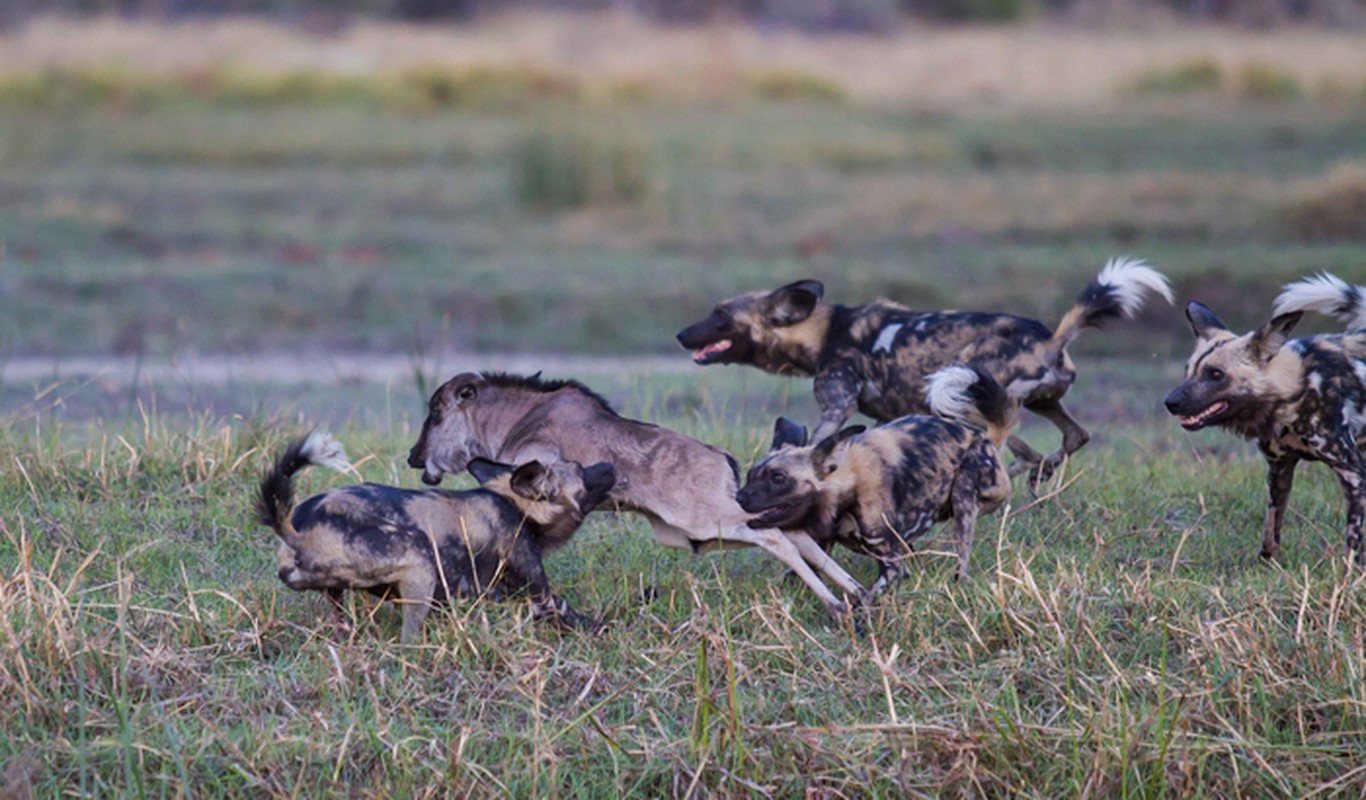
[(602, 229), (1118, 636)]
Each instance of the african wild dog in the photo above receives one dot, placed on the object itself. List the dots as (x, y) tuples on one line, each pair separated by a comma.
[(685, 488), (426, 545), (876, 491), (1301, 399), (875, 358)]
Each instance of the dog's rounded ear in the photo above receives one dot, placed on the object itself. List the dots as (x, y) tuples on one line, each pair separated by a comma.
[(1271, 337), (793, 303), (1203, 321), (787, 433), (820, 457), (532, 481), (485, 470)]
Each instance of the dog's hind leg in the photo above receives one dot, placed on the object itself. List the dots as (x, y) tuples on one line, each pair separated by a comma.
[(415, 594), (1351, 472), (1074, 436), (1280, 477)]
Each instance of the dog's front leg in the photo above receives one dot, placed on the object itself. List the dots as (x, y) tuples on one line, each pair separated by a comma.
[(967, 487), (1280, 476), (524, 561), (837, 391)]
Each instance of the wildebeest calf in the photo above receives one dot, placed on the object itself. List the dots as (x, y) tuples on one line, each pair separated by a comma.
[(1299, 400), (685, 488), (875, 358), (875, 491), (426, 545)]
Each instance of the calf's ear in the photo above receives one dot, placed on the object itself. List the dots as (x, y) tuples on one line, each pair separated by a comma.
[(486, 471)]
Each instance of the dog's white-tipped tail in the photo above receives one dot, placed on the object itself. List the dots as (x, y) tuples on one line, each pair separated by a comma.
[(321, 449), (1327, 294), (1118, 291), (947, 392), (1130, 279), (967, 394)]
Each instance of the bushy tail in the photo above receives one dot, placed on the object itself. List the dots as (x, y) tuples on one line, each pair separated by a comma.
[(275, 503), (1326, 294), (967, 394), (1118, 291)]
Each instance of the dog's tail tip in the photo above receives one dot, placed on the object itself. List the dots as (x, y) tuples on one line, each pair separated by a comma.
[(320, 448), (1129, 279), (968, 394), (1327, 294)]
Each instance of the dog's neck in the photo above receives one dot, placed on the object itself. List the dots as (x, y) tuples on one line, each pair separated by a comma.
[(797, 349)]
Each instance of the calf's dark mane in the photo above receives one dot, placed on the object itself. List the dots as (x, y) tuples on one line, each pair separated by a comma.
[(536, 383)]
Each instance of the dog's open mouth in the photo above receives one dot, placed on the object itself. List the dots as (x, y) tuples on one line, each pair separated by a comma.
[(772, 515), (1197, 421), (714, 349)]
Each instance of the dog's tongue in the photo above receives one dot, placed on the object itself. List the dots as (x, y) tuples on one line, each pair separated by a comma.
[(711, 350)]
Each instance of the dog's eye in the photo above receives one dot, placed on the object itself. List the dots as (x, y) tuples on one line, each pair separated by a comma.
[(466, 393), (777, 479), (1214, 373)]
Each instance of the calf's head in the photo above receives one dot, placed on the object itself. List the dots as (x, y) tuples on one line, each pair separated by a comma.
[(450, 434)]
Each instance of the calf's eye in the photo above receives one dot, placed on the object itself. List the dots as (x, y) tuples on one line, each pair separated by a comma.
[(466, 393)]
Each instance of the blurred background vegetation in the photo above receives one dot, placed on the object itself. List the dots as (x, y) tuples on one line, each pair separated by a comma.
[(590, 182), (860, 15)]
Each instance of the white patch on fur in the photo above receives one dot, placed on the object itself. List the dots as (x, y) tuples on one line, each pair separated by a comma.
[(1327, 294), (322, 450), (947, 392), (1359, 368), (886, 338), (1354, 417), (1130, 278), (1315, 381)]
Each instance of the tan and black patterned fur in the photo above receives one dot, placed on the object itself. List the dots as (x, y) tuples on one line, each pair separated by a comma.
[(1298, 399), (875, 358), (875, 491), (425, 546)]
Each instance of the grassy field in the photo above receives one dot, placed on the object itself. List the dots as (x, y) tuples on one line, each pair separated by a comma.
[(1118, 638), (160, 208)]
